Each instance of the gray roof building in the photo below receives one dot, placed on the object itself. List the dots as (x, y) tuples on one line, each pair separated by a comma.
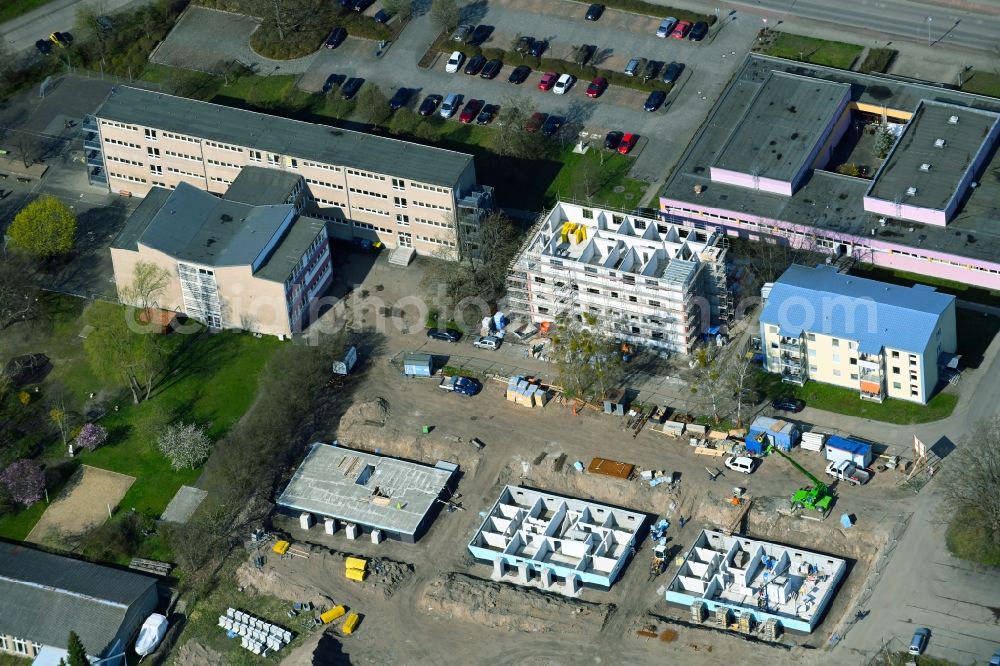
[(259, 186), (45, 596), (274, 134)]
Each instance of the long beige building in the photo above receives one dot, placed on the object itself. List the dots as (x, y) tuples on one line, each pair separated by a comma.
[(247, 260), (364, 186), (882, 340)]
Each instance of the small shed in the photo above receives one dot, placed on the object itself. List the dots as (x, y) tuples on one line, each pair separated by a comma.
[(416, 364), (765, 430), (615, 402), (346, 364), (845, 448)]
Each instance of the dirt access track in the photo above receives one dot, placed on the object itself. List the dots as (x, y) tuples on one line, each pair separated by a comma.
[(447, 611)]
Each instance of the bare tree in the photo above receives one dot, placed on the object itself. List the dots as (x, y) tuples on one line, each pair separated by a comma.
[(148, 283), (510, 139), (18, 297), (28, 148), (708, 375), (445, 14), (970, 484), (400, 8), (588, 361)]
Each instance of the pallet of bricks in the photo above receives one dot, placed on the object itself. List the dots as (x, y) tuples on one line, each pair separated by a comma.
[(256, 635)]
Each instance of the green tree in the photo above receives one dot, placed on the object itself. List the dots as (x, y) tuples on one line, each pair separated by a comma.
[(404, 122), (148, 283), (510, 139), (46, 228), (400, 8), (118, 353), (76, 653), (445, 14), (588, 361), (374, 105)]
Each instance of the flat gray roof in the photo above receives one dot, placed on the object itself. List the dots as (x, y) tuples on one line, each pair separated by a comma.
[(128, 237), (260, 186), (787, 117), (831, 201), (364, 488), (288, 253), (284, 136), (937, 147)]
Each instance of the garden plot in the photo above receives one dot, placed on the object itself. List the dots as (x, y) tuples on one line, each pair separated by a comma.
[(81, 506)]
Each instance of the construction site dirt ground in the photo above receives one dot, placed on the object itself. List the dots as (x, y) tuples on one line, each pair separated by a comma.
[(443, 609)]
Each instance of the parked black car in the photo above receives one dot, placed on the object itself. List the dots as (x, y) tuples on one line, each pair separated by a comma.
[(538, 47), (362, 5), (475, 64), (480, 34), (793, 405), (333, 80), (443, 334), (698, 31), (652, 69), (594, 12), (382, 16), (524, 44), (44, 46), (673, 72), (487, 115), (552, 125), (429, 105), (655, 100), (491, 69), (336, 38), (351, 87), (519, 75), (612, 140), (400, 99)]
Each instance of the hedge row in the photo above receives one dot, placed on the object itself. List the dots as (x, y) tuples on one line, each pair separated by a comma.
[(659, 11), (542, 64), (878, 61)]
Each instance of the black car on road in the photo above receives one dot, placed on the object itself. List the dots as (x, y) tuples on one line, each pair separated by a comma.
[(475, 64), (331, 81), (429, 105), (519, 75), (612, 140), (793, 405), (594, 11), (491, 69), (552, 125), (538, 47), (480, 34), (336, 38), (487, 115), (44, 46), (673, 72), (443, 334), (698, 31)]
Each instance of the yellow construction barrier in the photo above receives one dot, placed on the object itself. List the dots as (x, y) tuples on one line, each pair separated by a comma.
[(281, 547), (356, 563), (355, 574), (350, 623), (332, 614)]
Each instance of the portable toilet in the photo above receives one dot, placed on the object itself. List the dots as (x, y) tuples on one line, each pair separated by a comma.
[(418, 365), (765, 430)]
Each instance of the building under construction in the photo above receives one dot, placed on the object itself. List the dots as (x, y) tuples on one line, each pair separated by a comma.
[(646, 281), (556, 543), (752, 586)]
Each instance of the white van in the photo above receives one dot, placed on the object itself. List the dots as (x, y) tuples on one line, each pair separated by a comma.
[(740, 464)]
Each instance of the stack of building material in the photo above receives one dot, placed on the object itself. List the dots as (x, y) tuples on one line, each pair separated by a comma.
[(332, 614), (355, 568), (351, 623), (526, 392), (698, 612)]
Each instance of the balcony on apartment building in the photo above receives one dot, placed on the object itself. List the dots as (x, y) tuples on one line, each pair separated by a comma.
[(790, 344), (794, 375)]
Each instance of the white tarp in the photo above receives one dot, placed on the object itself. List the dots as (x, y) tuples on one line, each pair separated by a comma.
[(152, 632)]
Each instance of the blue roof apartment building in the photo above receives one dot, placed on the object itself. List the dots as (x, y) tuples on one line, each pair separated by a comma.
[(882, 340)]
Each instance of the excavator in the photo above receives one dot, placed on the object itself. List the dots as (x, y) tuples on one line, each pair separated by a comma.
[(816, 497)]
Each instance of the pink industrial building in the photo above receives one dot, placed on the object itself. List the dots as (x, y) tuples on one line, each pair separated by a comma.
[(791, 153)]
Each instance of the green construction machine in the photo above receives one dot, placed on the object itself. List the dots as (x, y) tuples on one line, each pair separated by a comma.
[(816, 497)]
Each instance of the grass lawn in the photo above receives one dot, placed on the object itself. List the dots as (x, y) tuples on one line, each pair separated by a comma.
[(598, 176), (12, 8), (968, 539), (959, 290), (840, 400), (212, 381), (982, 83), (203, 622), (816, 51)]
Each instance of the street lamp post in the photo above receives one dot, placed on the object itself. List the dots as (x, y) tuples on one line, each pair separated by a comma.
[(929, 31), (765, 28)]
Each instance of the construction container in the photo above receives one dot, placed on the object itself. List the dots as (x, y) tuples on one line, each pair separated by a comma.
[(352, 531), (351, 623), (330, 525), (813, 441), (332, 614), (355, 574), (305, 520), (280, 547), (418, 365), (843, 448), (356, 563), (765, 431), (377, 536)]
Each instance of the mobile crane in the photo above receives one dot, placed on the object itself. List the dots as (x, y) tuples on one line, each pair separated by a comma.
[(816, 497)]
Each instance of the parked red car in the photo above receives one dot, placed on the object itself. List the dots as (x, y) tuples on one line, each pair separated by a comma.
[(548, 80), (597, 87), (534, 123), (627, 143), (471, 110), (681, 29)]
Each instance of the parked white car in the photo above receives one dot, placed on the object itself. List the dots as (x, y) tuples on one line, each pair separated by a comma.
[(454, 62), (491, 342), (740, 464), (563, 83)]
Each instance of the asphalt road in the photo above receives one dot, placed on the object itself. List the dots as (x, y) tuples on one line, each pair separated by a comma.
[(961, 24), (22, 32)]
